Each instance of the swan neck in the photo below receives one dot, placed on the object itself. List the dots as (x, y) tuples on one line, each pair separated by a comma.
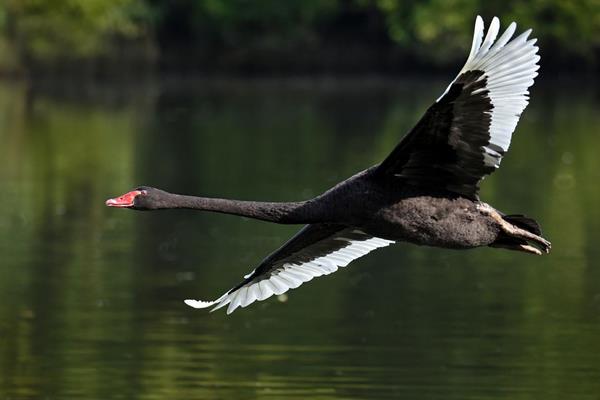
[(280, 212)]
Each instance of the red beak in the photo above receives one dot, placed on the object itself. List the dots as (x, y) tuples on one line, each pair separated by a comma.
[(124, 201)]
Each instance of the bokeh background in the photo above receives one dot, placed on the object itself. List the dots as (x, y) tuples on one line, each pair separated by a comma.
[(95, 38), (279, 100)]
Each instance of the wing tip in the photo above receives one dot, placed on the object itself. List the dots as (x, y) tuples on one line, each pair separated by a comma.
[(199, 303), (477, 36)]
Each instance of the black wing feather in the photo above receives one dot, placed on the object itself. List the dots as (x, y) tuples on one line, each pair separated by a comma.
[(316, 250), (445, 148), (463, 136)]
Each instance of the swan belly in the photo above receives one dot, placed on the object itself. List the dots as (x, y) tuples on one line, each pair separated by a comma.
[(433, 221)]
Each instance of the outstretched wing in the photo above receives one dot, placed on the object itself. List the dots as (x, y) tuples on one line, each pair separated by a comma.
[(318, 249), (463, 136)]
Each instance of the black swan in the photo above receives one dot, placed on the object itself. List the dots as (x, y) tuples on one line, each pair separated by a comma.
[(425, 192)]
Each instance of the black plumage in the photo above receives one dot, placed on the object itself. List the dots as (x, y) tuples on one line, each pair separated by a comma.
[(425, 192), (445, 148)]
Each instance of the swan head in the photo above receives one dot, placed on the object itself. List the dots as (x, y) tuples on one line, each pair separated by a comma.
[(140, 198)]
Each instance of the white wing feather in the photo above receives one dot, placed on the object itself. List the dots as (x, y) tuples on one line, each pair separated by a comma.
[(291, 275), (509, 67)]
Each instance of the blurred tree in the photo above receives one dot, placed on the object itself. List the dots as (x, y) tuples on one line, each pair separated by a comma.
[(566, 28), (440, 30), (241, 28), (261, 34), (70, 29)]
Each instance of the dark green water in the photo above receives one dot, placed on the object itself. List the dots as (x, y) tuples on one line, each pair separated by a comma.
[(91, 297)]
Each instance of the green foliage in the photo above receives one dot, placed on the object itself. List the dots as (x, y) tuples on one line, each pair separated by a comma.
[(436, 31), (243, 22), (440, 29), (572, 26), (46, 30)]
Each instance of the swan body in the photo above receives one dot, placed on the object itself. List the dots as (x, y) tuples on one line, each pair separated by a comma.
[(425, 192)]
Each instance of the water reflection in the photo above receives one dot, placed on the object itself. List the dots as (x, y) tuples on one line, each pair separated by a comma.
[(91, 297)]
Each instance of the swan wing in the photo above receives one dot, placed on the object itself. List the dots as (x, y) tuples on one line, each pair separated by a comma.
[(463, 136), (316, 250)]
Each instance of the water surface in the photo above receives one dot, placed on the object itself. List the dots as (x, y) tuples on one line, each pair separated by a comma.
[(91, 297)]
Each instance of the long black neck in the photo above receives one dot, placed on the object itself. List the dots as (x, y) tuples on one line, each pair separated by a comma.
[(302, 212)]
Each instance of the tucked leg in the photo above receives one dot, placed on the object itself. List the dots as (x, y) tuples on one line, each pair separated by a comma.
[(516, 232), (518, 247)]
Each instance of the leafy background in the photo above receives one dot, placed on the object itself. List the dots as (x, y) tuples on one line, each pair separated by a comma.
[(271, 36)]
